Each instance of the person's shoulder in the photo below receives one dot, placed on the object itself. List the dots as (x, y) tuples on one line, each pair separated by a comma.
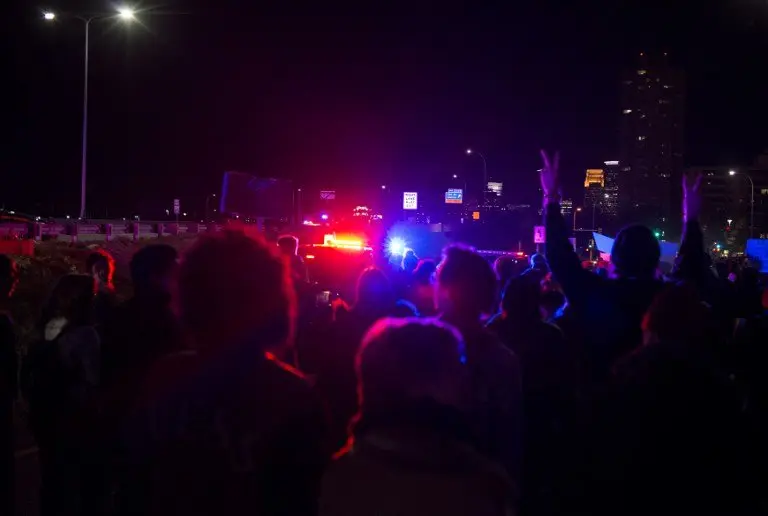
[(549, 330), (494, 350), (285, 378)]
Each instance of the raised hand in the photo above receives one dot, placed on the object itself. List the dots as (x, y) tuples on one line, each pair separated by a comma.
[(692, 196), (550, 181)]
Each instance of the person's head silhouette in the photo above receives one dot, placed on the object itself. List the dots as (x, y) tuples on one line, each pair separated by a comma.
[(236, 290), (467, 284), (101, 266), (635, 253)]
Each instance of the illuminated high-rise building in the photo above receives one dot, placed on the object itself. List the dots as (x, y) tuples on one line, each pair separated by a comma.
[(652, 112), (611, 199), (594, 193)]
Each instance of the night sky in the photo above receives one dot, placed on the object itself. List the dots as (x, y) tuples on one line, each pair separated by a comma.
[(347, 96)]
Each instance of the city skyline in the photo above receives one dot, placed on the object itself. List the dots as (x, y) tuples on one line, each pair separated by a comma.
[(336, 101)]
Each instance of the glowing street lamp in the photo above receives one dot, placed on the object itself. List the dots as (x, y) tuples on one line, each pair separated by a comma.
[(577, 210), (126, 14)]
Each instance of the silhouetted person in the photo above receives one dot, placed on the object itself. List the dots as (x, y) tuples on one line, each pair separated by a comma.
[(101, 265), (60, 382), (466, 293), (143, 328), (550, 389), (225, 428), (374, 300), (410, 450), (138, 333), (8, 383), (423, 287), (289, 246), (410, 261), (538, 269), (610, 311), (674, 425)]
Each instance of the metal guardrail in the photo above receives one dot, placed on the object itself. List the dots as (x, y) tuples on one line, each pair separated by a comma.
[(101, 230)]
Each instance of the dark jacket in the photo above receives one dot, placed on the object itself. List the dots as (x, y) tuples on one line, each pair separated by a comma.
[(417, 461), (230, 431), (137, 333), (671, 436), (609, 310), (497, 400)]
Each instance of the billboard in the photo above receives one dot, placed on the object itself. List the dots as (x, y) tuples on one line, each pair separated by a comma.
[(248, 195), (410, 201), (454, 196), (495, 188), (328, 195), (539, 235)]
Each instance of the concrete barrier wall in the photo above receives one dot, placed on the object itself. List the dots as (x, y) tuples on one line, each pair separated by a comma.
[(101, 230)]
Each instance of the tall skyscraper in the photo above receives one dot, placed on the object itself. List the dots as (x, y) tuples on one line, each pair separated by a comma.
[(594, 193), (612, 198), (652, 129)]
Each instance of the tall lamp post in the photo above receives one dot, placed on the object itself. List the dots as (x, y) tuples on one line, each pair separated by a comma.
[(456, 176), (125, 14), (575, 211), (485, 170), (751, 201)]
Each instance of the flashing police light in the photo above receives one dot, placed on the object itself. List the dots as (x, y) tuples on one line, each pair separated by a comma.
[(396, 246)]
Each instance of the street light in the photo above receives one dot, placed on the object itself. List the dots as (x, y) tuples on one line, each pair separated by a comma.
[(464, 192), (577, 210), (383, 187), (751, 200), (485, 170), (125, 14)]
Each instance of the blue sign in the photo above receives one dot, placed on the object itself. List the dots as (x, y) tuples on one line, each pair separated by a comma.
[(454, 196), (757, 252)]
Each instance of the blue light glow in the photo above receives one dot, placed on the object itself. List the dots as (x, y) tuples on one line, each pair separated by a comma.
[(396, 246)]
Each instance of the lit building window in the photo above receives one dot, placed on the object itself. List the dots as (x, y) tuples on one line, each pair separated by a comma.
[(641, 138), (764, 191), (627, 111), (642, 72)]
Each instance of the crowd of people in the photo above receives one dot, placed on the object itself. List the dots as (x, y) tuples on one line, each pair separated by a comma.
[(484, 390)]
